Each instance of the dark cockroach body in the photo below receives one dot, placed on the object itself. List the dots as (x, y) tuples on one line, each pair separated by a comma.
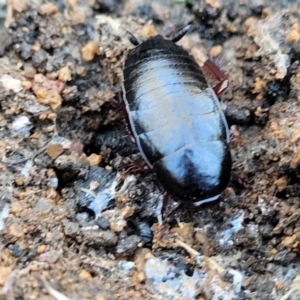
[(176, 119)]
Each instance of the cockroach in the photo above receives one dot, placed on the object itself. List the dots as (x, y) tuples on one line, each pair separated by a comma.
[(176, 118)]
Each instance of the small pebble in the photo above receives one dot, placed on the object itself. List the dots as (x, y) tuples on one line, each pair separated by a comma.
[(128, 245), (213, 3), (43, 206), (89, 51), (94, 185), (94, 159), (15, 230), (19, 5), (27, 85), (15, 250), (289, 241), (48, 8), (54, 151), (148, 30), (127, 211), (29, 70), (4, 273), (279, 286), (50, 257), (85, 275), (118, 225), (64, 74), (293, 36), (71, 229), (100, 238), (103, 223), (281, 183), (215, 51), (49, 97), (21, 126), (19, 181), (41, 249), (10, 83), (77, 16)]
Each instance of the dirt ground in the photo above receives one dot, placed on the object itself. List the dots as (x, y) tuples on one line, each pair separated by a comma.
[(76, 223)]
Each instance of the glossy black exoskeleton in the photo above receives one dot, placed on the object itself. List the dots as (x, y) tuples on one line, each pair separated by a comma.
[(176, 118)]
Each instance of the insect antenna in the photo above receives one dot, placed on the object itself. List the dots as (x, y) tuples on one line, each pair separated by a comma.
[(181, 33), (133, 40)]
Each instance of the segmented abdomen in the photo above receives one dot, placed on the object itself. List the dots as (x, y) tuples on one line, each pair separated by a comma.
[(176, 117)]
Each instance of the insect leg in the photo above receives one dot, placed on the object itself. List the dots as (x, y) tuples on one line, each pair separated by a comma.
[(137, 166), (168, 207), (219, 75), (181, 33)]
